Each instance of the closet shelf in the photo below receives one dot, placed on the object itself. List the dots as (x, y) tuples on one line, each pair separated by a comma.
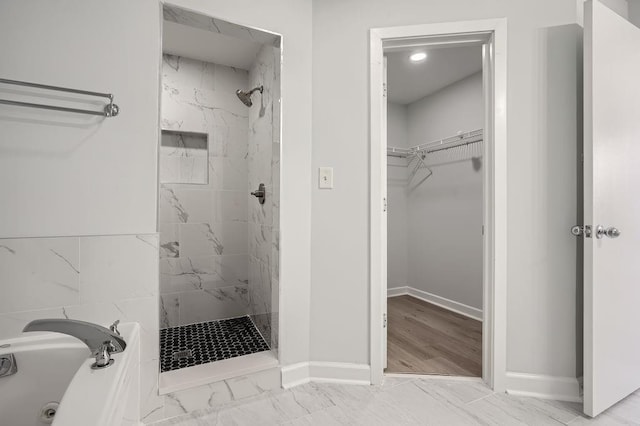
[(416, 155), (461, 139)]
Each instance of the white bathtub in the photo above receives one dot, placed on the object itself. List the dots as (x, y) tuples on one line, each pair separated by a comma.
[(54, 368)]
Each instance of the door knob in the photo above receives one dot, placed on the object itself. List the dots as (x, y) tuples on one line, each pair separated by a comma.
[(260, 193), (610, 232)]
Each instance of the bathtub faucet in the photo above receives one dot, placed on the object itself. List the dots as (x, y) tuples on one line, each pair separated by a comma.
[(101, 341)]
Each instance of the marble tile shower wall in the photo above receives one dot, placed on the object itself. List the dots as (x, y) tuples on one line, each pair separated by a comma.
[(98, 279), (264, 219), (203, 228)]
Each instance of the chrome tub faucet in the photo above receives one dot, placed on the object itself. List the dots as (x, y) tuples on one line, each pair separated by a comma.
[(101, 341)]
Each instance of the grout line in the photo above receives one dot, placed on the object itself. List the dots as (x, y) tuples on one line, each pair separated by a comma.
[(259, 332), (481, 398), (253, 336), (573, 420)]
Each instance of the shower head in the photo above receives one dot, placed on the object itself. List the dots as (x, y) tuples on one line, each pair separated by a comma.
[(245, 97)]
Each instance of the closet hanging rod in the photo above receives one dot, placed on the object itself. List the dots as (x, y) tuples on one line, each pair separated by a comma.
[(110, 110)]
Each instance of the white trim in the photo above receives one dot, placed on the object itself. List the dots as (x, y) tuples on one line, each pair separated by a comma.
[(198, 375), (340, 372), (398, 291), (495, 247), (451, 305), (325, 372), (295, 375), (435, 377), (542, 386)]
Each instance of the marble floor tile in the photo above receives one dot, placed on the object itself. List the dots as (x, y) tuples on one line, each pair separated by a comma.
[(404, 401), (500, 409), (427, 407), (454, 391)]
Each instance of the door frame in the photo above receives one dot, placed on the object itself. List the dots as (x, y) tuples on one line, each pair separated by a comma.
[(493, 34)]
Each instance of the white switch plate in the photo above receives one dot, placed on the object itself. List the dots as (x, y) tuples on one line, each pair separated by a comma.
[(325, 177)]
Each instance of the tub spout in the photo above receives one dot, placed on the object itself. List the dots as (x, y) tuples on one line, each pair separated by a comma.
[(101, 341)]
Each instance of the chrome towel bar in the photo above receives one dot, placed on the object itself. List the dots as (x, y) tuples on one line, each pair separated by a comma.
[(110, 110)]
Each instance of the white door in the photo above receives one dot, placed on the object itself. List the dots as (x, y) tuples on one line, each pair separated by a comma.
[(612, 201), (384, 212)]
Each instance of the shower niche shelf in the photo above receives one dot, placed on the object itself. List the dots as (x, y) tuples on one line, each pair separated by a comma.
[(184, 157)]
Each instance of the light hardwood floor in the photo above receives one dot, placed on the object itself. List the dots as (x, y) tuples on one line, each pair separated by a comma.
[(427, 339)]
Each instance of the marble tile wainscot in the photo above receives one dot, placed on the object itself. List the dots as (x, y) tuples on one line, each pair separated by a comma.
[(97, 279)]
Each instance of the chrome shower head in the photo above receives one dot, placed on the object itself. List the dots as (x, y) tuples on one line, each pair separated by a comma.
[(245, 97)]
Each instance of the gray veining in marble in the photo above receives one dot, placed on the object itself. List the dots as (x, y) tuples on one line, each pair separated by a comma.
[(402, 401), (91, 278), (264, 167), (196, 20), (203, 195)]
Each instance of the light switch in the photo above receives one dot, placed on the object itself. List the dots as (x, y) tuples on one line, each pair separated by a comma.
[(325, 177)]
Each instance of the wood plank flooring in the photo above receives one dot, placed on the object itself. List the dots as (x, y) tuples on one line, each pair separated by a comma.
[(427, 339)]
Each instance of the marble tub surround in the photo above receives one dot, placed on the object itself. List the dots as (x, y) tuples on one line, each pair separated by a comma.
[(98, 279), (203, 226), (264, 167)]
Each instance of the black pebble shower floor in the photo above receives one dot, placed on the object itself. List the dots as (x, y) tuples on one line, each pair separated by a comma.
[(209, 341)]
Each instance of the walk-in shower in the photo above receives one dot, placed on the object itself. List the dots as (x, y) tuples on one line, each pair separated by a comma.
[(219, 255), (245, 97)]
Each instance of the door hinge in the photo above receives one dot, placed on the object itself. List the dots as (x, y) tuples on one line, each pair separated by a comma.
[(584, 231), (384, 89), (384, 204), (384, 320)]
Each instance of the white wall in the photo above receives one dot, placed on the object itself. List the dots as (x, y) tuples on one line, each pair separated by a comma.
[(634, 12), (445, 211), (92, 176), (541, 110), (621, 7), (457, 107), (397, 219)]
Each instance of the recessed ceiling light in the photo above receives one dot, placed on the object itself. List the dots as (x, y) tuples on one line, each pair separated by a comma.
[(417, 57)]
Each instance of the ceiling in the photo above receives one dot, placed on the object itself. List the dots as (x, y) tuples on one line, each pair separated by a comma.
[(408, 82), (195, 43)]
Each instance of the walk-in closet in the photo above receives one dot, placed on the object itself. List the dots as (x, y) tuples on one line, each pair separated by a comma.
[(435, 120)]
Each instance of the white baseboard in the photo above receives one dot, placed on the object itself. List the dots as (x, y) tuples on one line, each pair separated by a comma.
[(452, 305), (295, 375), (397, 291), (325, 372), (545, 387)]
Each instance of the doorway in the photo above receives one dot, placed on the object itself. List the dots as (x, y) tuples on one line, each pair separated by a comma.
[(421, 328), (435, 120), (219, 197)]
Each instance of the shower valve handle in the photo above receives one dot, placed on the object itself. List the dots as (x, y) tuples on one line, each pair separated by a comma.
[(260, 193)]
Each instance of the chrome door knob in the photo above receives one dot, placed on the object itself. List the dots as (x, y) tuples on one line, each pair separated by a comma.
[(610, 232)]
